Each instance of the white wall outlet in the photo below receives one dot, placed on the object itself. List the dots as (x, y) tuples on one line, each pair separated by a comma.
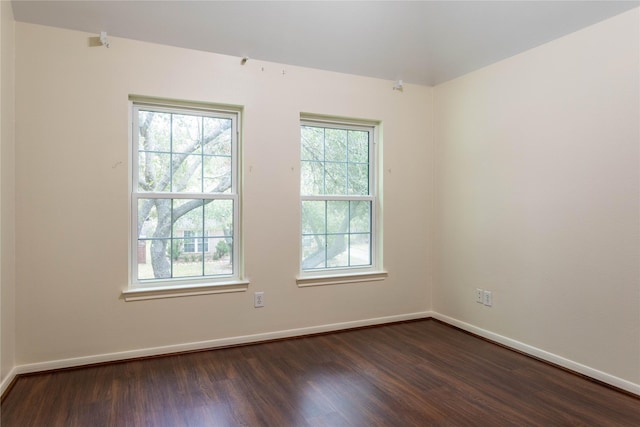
[(258, 299), (487, 298), (479, 295)]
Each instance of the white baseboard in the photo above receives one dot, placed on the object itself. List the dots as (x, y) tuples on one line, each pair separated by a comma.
[(289, 333), (6, 381), (544, 355), (210, 344)]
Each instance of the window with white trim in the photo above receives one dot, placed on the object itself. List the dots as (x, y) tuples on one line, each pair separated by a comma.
[(338, 197), (184, 194)]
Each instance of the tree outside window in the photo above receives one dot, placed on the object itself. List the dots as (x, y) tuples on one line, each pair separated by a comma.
[(185, 193), (337, 195)]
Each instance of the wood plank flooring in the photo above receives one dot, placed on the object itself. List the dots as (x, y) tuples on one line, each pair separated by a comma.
[(421, 373)]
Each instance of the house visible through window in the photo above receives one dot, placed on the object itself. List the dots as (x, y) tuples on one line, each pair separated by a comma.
[(338, 196), (185, 199), (193, 244)]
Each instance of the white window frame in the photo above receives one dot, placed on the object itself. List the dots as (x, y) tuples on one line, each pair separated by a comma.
[(367, 273), (171, 287)]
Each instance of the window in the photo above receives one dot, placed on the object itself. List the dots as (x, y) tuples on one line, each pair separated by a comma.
[(338, 196), (192, 244), (185, 195)]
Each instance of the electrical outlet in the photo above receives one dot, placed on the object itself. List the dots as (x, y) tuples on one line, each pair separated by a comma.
[(258, 299), (479, 295), (487, 298)]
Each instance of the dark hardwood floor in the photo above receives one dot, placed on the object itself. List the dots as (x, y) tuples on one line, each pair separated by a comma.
[(421, 373)]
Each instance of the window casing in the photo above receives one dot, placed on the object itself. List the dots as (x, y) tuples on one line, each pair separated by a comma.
[(185, 200), (338, 194)]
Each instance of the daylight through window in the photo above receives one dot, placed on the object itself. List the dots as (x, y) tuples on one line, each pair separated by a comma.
[(338, 196), (184, 194)]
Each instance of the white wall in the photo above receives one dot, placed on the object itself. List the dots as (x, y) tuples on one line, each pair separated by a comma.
[(7, 194), (72, 195), (537, 200)]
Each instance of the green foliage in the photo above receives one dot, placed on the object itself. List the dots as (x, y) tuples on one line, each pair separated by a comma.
[(334, 162), (176, 249), (182, 153), (201, 148), (222, 248)]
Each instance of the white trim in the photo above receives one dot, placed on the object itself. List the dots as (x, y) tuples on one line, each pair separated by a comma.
[(338, 122), (173, 291), (8, 379), (544, 355), (216, 343), (335, 279), (336, 198), (208, 196)]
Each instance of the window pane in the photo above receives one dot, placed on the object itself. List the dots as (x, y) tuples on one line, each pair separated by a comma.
[(314, 217), (153, 217), (219, 257), (145, 270), (312, 178), (336, 178), (154, 131), (153, 171), (147, 218), (186, 264), (360, 217), (187, 173), (312, 143), (188, 216), (335, 145), (360, 249), (358, 179), (358, 146), (186, 133), (337, 255), (217, 136), (218, 217), (217, 174), (337, 216), (157, 264), (313, 252)]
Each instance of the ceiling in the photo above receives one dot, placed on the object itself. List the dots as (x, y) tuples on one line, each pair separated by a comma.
[(423, 42)]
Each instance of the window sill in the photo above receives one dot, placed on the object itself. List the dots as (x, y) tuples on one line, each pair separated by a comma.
[(335, 279), (156, 292)]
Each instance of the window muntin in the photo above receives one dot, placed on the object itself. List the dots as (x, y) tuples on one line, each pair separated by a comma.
[(338, 196), (185, 201)]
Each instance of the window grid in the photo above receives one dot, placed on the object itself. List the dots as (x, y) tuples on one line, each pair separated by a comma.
[(348, 192), (348, 234), (172, 240)]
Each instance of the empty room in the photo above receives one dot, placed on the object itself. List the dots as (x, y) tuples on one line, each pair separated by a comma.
[(319, 213)]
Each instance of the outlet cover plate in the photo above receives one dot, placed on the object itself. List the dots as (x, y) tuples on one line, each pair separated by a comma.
[(258, 299), (488, 298)]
